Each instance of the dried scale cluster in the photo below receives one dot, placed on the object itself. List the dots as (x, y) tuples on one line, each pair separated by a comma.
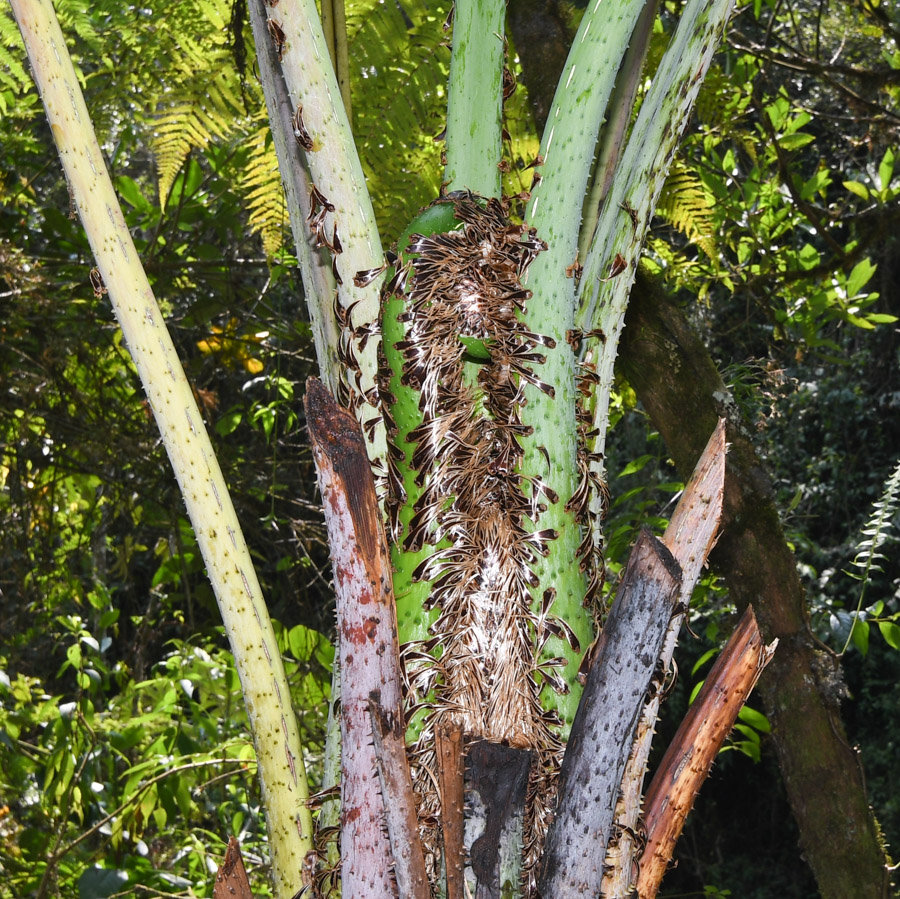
[(469, 356), (590, 501), (351, 394)]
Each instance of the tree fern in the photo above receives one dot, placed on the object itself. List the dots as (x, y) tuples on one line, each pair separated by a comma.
[(14, 78), (399, 86), (261, 182), (205, 106)]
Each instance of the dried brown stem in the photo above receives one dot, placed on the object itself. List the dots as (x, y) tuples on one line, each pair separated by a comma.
[(688, 759), (231, 879), (448, 738), (690, 536)]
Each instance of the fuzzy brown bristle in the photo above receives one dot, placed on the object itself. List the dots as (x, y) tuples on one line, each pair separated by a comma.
[(488, 675)]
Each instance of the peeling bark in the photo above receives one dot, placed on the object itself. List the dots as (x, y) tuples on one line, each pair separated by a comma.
[(231, 879), (690, 536), (605, 724), (693, 749), (497, 777), (448, 738), (369, 660), (399, 806)]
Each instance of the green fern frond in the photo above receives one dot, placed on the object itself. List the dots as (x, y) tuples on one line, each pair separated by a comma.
[(206, 107), (399, 101), (75, 16), (875, 533), (262, 188), (14, 77), (687, 206), (879, 528), (198, 97)]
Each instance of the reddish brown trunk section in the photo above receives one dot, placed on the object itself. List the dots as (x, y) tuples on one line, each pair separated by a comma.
[(381, 855), (693, 750)]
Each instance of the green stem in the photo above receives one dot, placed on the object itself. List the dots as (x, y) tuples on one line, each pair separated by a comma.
[(337, 174), (475, 97), (227, 558), (567, 148), (612, 138), (342, 56), (315, 267), (611, 263)]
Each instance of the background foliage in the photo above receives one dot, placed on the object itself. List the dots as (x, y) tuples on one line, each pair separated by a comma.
[(124, 760)]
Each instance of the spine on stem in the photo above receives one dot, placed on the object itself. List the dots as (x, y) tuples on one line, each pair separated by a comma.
[(225, 553)]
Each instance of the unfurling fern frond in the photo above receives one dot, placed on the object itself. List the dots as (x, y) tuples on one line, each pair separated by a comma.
[(261, 184), (687, 206)]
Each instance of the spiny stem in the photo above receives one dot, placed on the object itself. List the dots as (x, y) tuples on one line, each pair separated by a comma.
[(567, 148), (475, 97), (342, 202), (244, 614)]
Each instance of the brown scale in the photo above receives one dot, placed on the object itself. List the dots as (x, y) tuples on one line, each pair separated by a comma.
[(473, 504), (277, 35), (590, 485)]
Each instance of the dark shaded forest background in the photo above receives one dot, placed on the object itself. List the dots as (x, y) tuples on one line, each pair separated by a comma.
[(124, 755)]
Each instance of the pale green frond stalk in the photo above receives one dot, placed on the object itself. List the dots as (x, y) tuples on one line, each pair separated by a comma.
[(318, 281), (219, 536), (611, 264), (612, 138), (315, 270), (567, 147), (475, 97), (337, 174)]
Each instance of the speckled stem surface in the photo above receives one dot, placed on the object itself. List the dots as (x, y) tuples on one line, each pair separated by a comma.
[(225, 553)]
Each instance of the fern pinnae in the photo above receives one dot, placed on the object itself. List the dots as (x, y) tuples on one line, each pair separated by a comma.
[(262, 186), (397, 55), (206, 107), (876, 532), (688, 207), (13, 74)]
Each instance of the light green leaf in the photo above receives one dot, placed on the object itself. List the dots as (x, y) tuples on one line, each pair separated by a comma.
[(796, 140), (755, 719), (891, 633), (856, 187), (886, 169), (129, 191), (748, 732), (635, 465), (703, 660), (859, 277)]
